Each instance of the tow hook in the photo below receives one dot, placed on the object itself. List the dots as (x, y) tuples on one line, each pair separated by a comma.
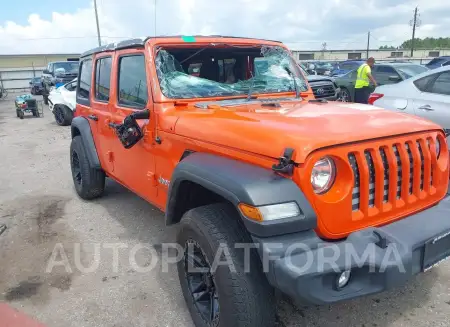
[(382, 241), (285, 163)]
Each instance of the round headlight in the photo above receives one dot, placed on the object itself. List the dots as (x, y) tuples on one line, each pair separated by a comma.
[(323, 175)]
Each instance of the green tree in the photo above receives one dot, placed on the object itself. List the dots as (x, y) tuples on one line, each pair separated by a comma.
[(427, 43), (386, 47)]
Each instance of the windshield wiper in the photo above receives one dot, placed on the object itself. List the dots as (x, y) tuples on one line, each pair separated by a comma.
[(297, 90)]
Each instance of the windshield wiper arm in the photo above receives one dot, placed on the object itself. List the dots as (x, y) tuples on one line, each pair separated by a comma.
[(297, 91)]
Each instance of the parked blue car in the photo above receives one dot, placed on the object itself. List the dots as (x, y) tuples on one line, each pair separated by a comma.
[(439, 62), (346, 66)]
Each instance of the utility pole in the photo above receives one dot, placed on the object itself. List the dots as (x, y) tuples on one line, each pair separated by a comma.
[(324, 48), (415, 22), (155, 18), (368, 45), (98, 26)]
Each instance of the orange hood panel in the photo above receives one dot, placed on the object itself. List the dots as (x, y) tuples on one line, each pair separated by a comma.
[(303, 126)]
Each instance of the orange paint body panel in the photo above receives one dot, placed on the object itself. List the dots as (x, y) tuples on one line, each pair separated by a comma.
[(10, 317), (259, 134)]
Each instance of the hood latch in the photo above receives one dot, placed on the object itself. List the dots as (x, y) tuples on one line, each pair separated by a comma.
[(285, 164)]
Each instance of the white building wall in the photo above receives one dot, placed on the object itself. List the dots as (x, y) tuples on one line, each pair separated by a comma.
[(18, 78)]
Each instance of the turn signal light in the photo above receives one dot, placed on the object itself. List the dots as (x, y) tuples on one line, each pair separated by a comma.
[(251, 212), (271, 211)]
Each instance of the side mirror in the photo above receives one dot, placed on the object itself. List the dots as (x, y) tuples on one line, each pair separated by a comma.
[(395, 78), (130, 132), (46, 71)]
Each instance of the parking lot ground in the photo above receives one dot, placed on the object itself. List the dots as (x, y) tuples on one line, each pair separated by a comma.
[(47, 222)]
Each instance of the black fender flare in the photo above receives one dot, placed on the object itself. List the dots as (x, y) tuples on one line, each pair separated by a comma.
[(80, 126), (240, 182)]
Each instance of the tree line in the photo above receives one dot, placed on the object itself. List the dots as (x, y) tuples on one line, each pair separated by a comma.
[(426, 43)]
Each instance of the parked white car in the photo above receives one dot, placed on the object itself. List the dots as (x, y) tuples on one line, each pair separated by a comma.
[(426, 95), (62, 102)]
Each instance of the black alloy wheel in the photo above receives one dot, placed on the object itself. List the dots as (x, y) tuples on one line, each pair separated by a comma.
[(59, 115), (76, 168), (201, 283)]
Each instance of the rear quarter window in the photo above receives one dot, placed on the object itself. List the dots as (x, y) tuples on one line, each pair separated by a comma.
[(423, 83)]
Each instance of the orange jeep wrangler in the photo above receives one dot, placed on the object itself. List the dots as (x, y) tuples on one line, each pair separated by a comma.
[(322, 201)]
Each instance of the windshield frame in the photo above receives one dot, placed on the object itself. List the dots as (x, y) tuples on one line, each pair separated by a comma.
[(154, 47)]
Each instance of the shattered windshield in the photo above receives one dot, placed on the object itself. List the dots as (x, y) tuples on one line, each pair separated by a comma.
[(226, 71)]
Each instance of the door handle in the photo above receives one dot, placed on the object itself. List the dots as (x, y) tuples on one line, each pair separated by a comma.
[(426, 107), (93, 117)]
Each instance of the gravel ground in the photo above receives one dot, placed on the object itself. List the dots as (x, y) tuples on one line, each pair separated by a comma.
[(43, 213)]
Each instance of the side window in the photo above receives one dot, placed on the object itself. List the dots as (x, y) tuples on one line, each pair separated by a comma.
[(382, 73), (132, 81), (446, 63), (442, 84), (103, 78), (423, 83), (85, 79)]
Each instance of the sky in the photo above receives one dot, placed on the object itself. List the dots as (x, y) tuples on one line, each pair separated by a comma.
[(55, 26)]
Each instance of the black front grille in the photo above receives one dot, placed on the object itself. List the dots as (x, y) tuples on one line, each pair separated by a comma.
[(323, 91)]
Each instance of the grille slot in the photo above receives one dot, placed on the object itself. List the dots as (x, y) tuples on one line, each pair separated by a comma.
[(355, 192), (386, 175)]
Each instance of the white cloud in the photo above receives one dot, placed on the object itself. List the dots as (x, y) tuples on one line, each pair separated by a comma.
[(301, 24)]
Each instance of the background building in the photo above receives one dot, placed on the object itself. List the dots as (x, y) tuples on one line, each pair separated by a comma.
[(423, 55), (17, 70)]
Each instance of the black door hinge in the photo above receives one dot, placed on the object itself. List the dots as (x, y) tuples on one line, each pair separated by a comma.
[(285, 164)]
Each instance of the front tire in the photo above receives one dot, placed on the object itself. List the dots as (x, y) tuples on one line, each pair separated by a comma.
[(89, 182), (63, 115), (344, 95), (234, 297)]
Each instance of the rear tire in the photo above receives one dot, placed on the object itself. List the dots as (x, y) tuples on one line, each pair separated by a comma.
[(245, 299), (89, 182)]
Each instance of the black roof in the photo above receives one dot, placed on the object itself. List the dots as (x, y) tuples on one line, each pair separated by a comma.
[(139, 43)]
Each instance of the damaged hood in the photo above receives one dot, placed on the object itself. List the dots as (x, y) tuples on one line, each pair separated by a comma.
[(267, 130)]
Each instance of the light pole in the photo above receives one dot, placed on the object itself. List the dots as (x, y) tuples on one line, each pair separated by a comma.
[(98, 26)]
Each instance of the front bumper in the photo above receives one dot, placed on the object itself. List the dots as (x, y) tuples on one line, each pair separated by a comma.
[(306, 267)]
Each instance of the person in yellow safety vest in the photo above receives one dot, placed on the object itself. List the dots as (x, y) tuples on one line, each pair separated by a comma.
[(363, 79)]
